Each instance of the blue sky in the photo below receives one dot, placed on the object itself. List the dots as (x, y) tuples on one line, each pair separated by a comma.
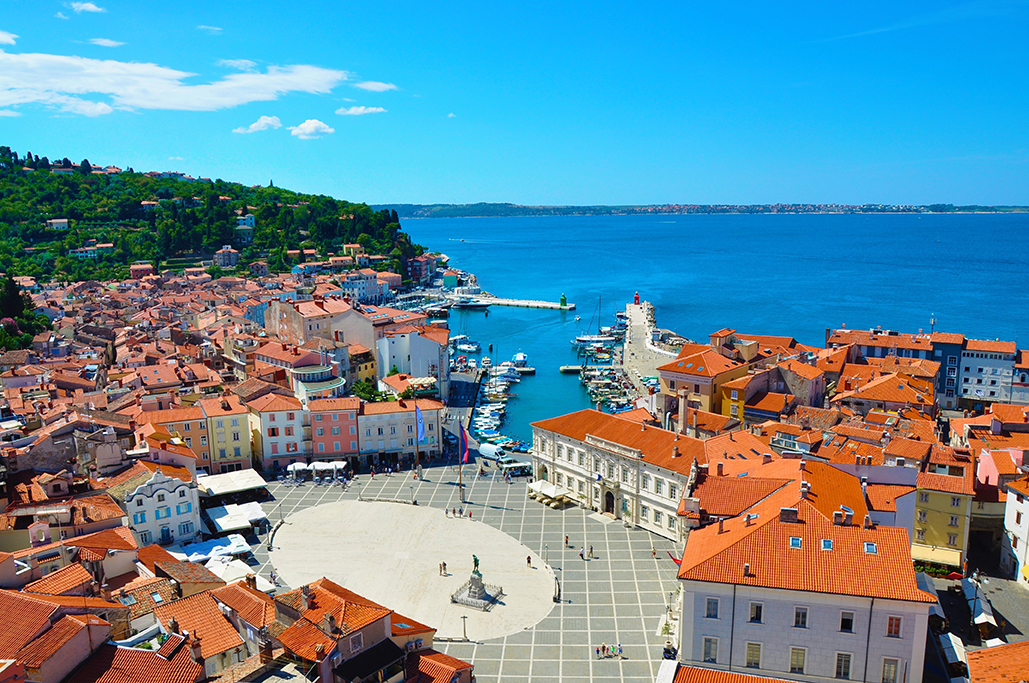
[(536, 103)]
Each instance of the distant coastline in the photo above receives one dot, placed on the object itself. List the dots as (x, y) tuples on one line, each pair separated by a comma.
[(486, 210)]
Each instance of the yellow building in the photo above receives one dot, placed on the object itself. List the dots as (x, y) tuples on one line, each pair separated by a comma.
[(228, 433), (943, 507), (362, 364), (697, 380)]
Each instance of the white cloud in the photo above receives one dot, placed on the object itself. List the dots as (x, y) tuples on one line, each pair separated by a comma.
[(64, 82), (375, 86), (451, 115), (240, 64), (210, 29), (81, 7), (311, 129), (7, 38), (105, 42), (358, 111), (175, 159), (8, 113), (61, 15), (263, 123)]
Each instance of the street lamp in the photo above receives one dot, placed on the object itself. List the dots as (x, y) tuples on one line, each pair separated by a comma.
[(546, 554), (464, 626)]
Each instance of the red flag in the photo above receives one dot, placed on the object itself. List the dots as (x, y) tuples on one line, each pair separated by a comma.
[(464, 446), (678, 562)]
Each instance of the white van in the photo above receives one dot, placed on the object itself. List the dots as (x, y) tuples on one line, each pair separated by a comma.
[(491, 451)]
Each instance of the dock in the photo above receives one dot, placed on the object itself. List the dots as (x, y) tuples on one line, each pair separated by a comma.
[(574, 369), (527, 303)]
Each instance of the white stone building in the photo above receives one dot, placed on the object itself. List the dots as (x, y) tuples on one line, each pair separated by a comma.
[(1014, 553), (986, 371), (418, 352), (164, 510)]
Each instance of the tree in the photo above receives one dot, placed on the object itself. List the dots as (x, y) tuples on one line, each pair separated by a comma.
[(86, 168), (393, 371), (13, 302)]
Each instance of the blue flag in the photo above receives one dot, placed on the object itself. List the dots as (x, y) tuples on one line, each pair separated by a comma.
[(420, 421)]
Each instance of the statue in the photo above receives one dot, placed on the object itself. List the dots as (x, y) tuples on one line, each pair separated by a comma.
[(475, 565)]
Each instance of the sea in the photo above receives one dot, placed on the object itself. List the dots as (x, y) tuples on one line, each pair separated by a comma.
[(793, 275)]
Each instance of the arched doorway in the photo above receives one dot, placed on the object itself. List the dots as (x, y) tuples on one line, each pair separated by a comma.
[(609, 503), (543, 472)]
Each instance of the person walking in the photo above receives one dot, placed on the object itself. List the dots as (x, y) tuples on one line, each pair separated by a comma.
[(603, 650), (566, 540), (582, 553), (619, 650), (444, 569), (528, 561), (591, 553), (598, 652)]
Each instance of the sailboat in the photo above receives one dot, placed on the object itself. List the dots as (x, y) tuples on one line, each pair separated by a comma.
[(591, 340)]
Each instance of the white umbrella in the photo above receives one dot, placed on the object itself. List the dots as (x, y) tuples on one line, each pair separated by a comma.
[(297, 467), (339, 464), (321, 466)]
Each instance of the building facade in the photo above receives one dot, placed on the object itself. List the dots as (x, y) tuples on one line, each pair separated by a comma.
[(164, 510)]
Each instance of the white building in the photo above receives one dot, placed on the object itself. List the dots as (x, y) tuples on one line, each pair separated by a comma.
[(416, 351), (1014, 553), (387, 431), (987, 371), (277, 425), (164, 510), (631, 471), (784, 592)]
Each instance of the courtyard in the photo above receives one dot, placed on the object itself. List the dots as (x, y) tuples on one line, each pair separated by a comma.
[(390, 552)]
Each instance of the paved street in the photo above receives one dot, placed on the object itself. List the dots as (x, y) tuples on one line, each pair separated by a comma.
[(618, 597)]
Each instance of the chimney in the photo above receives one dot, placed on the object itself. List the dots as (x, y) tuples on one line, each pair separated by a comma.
[(766, 458), (868, 521), (319, 651), (194, 650), (721, 469), (746, 568), (173, 624), (721, 525), (305, 598), (803, 465), (252, 581), (329, 623), (747, 519), (837, 517), (675, 451), (857, 459), (803, 491), (848, 517), (643, 426), (788, 515)]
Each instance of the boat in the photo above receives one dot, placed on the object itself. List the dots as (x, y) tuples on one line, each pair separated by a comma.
[(469, 347), (486, 362), (585, 341), (470, 304)]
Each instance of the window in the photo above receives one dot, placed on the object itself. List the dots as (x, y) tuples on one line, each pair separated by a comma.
[(139, 518), (658, 485), (220, 424), (318, 417), (955, 502), (671, 521), (221, 451), (710, 650), (235, 421), (275, 450), (162, 512), (826, 544), (795, 542), (1018, 518), (335, 431), (356, 642), (182, 493), (735, 394), (235, 435), (203, 439), (393, 430), (754, 655), (335, 445), (582, 459), (847, 622), (922, 516), (890, 667), (797, 657), (657, 517), (160, 497), (843, 666), (757, 610), (952, 539), (919, 534), (893, 627), (625, 475), (673, 490), (870, 548), (711, 611), (186, 528), (923, 497), (800, 617), (184, 509), (953, 520), (645, 482), (320, 431), (144, 537), (353, 429), (139, 502), (289, 416), (610, 471), (321, 448), (273, 431), (644, 512)]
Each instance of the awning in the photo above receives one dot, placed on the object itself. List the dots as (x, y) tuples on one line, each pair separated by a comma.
[(235, 517), (978, 603), (549, 490), (296, 467), (321, 466), (230, 570), (953, 648), (200, 552), (925, 583), (936, 555), (371, 661), (230, 482)]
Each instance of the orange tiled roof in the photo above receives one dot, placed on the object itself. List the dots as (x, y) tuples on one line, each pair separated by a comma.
[(253, 606), (731, 496), (990, 346), (1019, 486), (112, 664), (1002, 664), (61, 581), (403, 406), (808, 372), (150, 555), (199, 614), (46, 646), (302, 638), (883, 497), (708, 363), (696, 674), (25, 617), (274, 403), (434, 667), (847, 569)]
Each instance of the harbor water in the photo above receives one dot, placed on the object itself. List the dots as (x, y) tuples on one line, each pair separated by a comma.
[(790, 275)]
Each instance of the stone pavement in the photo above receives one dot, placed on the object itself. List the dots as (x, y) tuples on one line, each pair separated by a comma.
[(621, 596)]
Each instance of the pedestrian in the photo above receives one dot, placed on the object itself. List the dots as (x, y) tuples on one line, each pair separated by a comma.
[(441, 569), (619, 650), (453, 512), (598, 652), (460, 511), (603, 650), (446, 512), (582, 552), (566, 540), (469, 514), (444, 569), (591, 552), (528, 561), (653, 552)]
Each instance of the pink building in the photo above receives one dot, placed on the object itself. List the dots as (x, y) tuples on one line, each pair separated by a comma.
[(334, 428)]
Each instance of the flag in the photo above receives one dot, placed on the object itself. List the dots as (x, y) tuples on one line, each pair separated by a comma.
[(420, 421), (464, 446)]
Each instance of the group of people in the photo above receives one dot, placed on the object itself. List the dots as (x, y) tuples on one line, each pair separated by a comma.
[(456, 513), (585, 554), (605, 651)]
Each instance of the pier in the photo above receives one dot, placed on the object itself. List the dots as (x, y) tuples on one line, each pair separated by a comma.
[(526, 303)]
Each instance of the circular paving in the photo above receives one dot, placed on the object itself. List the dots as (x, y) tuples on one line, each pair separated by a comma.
[(390, 553)]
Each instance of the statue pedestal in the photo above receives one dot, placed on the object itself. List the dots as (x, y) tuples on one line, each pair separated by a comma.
[(476, 588)]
